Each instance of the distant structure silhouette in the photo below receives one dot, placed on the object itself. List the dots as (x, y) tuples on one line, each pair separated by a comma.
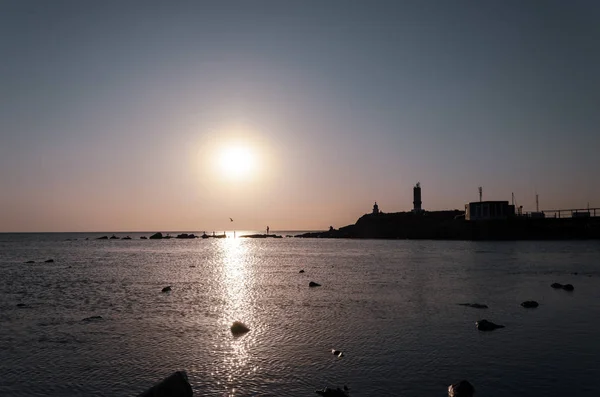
[(267, 229), (375, 209), (417, 198)]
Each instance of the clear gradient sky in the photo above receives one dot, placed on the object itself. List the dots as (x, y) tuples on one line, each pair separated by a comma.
[(112, 113)]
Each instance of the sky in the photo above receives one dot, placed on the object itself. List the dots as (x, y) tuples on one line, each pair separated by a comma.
[(114, 114)]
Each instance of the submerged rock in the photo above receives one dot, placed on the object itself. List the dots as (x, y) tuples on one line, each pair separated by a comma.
[(49, 261), (21, 305), (474, 305), (568, 287), (556, 285), (143, 238), (239, 328), (301, 271), (338, 353), (530, 304), (30, 262), (461, 389), (102, 238), (126, 238), (333, 392), (113, 237), (485, 325), (156, 236), (313, 284), (167, 289), (92, 318), (176, 385)]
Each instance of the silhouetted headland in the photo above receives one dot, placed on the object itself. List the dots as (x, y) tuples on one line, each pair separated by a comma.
[(481, 220)]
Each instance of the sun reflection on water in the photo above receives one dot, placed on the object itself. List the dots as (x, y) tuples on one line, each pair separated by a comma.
[(237, 296)]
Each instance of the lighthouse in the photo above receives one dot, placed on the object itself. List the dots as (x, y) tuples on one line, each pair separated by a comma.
[(417, 198)]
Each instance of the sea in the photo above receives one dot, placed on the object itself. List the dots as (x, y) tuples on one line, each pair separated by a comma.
[(95, 322)]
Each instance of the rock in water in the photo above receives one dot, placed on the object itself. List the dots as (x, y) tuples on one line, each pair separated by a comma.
[(332, 392), (461, 389), (92, 318), (337, 353), (239, 328), (102, 238), (301, 271), (167, 289), (474, 305), (30, 262), (568, 287), (176, 385), (485, 325), (313, 284), (156, 236), (49, 261), (530, 304), (556, 285)]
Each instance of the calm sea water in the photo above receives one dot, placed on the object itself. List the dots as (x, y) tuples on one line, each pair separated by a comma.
[(391, 306)]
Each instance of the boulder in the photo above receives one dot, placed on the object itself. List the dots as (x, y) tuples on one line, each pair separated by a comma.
[(485, 325), (461, 389), (49, 261), (239, 328), (313, 284), (474, 305), (556, 285), (530, 304), (167, 289), (176, 385), (568, 287), (156, 236)]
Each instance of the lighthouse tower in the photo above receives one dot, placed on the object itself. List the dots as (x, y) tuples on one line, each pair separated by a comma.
[(417, 198)]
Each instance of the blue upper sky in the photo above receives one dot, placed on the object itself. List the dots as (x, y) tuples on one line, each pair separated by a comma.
[(110, 110)]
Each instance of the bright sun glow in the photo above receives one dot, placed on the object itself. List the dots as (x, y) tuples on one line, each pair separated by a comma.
[(237, 162)]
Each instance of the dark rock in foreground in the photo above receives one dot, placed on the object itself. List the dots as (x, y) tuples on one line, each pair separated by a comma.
[(156, 236), (474, 305), (301, 271), (102, 238), (92, 318), (176, 385), (30, 262), (239, 328), (333, 392), (461, 389), (21, 305), (556, 285), (530, 304), (49, 261), (485, 325), (143, 238), (167, 289), (313, 284)]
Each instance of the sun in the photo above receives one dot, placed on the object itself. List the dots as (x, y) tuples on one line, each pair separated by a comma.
[(237, 162)]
